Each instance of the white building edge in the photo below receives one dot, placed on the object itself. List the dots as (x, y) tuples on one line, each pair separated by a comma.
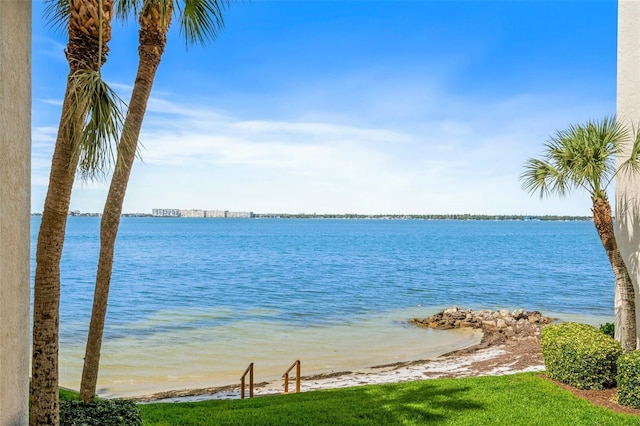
[(628, 112), (15, 209)]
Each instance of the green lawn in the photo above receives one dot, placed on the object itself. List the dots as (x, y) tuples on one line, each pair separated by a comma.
[(520, 399)]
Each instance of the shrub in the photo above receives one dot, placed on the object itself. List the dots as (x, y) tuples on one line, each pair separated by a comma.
[(100, 412), (580, 355), (629, 379), (608, 328)]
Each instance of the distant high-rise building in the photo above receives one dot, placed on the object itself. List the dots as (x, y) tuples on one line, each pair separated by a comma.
[(191, 213), (165, 212), (215, 213), (200, 213)]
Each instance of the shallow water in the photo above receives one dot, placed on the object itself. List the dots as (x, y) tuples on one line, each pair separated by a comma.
[(217, 356)]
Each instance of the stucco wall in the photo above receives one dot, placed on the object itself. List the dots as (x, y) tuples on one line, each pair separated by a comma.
[(15, 189), (628, 111)]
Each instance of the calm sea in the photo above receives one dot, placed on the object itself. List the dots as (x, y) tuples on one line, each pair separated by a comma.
[(193, 301)]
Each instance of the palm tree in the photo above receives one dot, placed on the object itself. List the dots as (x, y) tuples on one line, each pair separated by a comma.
[(199, 20), (583, 157), (90, 118)]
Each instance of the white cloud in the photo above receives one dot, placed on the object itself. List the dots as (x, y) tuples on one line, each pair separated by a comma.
[(466, 157), (467, 164), (55, 102)]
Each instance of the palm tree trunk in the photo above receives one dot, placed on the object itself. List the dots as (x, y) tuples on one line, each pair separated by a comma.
[(152, 38), (46, 294), (82, 53), (626, 329)]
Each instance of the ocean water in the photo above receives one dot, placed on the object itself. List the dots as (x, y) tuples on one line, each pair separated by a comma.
[(193, 301)]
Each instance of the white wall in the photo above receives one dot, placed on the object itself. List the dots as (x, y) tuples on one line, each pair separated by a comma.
[(15, 189), (628, 111)]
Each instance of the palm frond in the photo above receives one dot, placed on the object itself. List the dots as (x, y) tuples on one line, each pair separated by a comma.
[(566, 157), (580, 156), (632, 164), (544, 178), (102, 108), (127, 9), (201, 20), (155, 16), (56, 13), (605, 140)]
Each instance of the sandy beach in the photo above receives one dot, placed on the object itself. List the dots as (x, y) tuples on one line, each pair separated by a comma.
[(503, 359)]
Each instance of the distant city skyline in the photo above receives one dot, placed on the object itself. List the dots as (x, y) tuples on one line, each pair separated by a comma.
[(217, 214), (350, 107)]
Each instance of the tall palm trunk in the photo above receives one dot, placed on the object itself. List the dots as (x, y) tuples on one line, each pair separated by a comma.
[(626, 329), (82, 54), (154, 24)]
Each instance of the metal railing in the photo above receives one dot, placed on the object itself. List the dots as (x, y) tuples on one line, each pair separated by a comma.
[(248, 371), (286, 377)]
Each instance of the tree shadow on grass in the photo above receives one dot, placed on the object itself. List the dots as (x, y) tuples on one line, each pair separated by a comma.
[(423, 404), (392, 404)]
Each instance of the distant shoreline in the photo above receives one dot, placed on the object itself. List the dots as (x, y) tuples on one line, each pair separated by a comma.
[(459, 217)]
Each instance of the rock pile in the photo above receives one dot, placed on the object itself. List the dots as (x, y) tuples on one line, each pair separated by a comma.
[(496, 325)]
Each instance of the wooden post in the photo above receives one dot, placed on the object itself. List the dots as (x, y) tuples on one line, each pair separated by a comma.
[(285, 376), (249, 371)]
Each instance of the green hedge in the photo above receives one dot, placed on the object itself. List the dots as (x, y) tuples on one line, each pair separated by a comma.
[(100, 412), (629, 379), (608, 328), (580, 355)]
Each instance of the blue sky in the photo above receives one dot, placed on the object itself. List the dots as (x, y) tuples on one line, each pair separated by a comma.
[(412, 107)]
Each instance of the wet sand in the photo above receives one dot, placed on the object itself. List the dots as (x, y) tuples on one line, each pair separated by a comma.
[(512, 356)]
